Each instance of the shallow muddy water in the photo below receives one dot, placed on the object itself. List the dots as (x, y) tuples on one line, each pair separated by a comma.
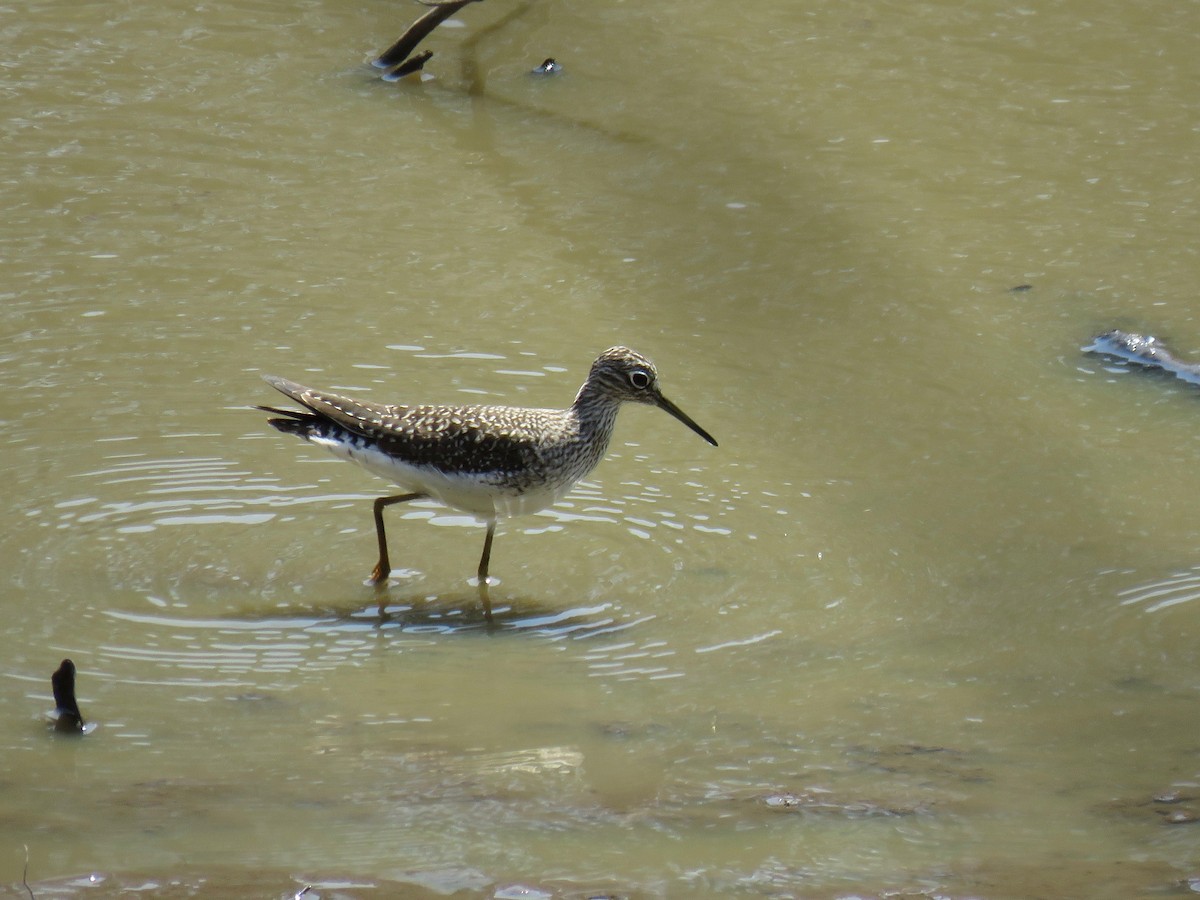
[(924, 621)]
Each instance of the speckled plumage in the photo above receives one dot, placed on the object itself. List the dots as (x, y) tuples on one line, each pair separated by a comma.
[(491, 461)]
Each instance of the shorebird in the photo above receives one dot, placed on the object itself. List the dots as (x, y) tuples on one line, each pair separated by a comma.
[(490, 461)]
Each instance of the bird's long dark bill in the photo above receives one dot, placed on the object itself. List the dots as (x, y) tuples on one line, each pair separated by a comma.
[(668, 406)]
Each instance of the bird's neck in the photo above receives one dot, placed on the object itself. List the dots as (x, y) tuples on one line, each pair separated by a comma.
[(595, 414)]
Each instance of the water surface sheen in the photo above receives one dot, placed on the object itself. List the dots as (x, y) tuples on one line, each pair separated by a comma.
[(924, 621)]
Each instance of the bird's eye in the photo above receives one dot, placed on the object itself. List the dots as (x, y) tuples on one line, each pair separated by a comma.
[(640, 379)]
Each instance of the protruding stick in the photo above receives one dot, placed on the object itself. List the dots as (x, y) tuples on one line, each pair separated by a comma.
[(418, 31), (409, 66), (68, 718)]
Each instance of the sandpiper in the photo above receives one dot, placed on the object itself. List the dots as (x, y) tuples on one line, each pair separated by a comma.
[(491, 461)]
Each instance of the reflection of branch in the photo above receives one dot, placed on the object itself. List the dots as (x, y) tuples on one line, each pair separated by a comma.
[(396, 54), (471, 63)]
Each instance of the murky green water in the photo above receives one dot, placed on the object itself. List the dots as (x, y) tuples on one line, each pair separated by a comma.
[(924, 621)]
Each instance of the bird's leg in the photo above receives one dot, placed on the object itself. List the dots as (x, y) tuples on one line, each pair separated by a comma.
[(485, 599), (485, 603), (383, 568), (487, 552)]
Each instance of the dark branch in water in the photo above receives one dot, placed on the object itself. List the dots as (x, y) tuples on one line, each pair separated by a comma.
[(440, 11), (1144, 350), (410, 65), (25, 874)]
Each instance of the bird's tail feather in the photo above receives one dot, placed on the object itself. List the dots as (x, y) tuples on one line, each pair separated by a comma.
[(292, 421)]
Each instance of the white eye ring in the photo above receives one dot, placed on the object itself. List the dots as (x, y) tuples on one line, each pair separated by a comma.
[(640, 379)]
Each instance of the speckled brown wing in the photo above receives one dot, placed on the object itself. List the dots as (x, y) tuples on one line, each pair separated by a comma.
[(445, 439), (451, 439)]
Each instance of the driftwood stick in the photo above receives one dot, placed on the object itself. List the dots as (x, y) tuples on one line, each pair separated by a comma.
[(410, 65), (438, 13)]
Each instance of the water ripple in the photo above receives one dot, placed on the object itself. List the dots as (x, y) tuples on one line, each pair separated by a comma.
[(280, 642), (1181, 587), (160, 493), (628, 660), (742, 642), (186, 491)]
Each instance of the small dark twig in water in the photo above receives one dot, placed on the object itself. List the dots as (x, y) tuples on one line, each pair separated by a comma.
[(25, 874), (396, 54)]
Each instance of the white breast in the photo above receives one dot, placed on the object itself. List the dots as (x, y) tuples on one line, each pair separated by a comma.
[(471, 493)]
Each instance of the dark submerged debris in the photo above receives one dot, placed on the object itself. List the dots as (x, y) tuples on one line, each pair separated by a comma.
[(1170, 807), (67, 717), (819, 803), (393, 58)]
